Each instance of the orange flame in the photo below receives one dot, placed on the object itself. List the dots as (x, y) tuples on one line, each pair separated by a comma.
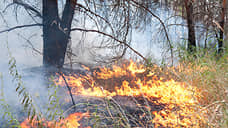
[(182, 101), (70, 122)]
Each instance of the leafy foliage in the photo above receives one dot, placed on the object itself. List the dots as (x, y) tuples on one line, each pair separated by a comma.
[(26, 98), (6, 110)]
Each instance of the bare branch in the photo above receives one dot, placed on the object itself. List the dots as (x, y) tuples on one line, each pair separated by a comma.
[(93, 13), (162, 23), (30, 43), (114, 38), (8, 7), (21, 26), (27, 7)]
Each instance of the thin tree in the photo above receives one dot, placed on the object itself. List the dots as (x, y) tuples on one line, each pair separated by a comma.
[(191, 26), (221, 30)]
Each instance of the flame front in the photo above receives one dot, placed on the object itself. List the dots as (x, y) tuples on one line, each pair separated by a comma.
[(181, 101), (70, 122)]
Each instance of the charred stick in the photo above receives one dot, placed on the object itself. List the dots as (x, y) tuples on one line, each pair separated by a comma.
[(68, 87)]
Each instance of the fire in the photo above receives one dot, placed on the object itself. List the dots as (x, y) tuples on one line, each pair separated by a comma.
[(131, 79), (70, 122)]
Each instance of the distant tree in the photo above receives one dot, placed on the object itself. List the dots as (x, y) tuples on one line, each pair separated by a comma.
[(191, 26), (212, 14), (222, 29)]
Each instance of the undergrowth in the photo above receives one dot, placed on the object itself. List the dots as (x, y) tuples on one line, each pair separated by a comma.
[(33, 112), (5, 111), (204, 70), (209, 72)]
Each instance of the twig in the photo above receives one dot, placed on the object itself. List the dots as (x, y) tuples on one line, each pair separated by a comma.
[(20, 26), (30, 43), (93, 13), (27, 7), (214, 103), (114, 38), (162, 23), (122, 112), (68, 87)]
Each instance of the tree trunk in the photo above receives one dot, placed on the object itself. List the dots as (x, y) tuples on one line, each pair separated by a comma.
[(191, 29), (56, 32), (221, 31)]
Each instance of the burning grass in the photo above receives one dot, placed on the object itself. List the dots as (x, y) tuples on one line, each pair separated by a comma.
[(70, 122), (193, 94), (157, 99)]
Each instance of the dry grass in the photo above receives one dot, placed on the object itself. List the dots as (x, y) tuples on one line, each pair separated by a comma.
[(209, 74)]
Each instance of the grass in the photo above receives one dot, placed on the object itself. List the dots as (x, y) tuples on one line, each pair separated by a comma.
[(203, 70), (210, 74)]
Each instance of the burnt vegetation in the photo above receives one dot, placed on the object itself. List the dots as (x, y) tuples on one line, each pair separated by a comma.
[(187, 88)]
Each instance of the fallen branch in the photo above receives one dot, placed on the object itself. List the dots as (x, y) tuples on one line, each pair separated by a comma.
[(68, 87)]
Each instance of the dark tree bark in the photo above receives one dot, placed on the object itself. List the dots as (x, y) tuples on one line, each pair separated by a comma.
[(191, 29), (56, 31), (221, 31)]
